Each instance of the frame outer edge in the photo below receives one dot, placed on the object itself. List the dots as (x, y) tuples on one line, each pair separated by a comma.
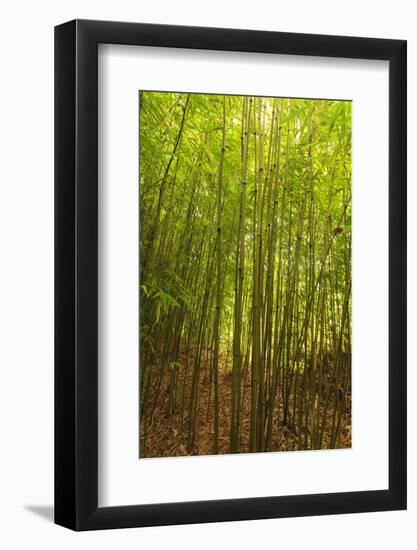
[(86, 272), (64, 176), (76, 242), (398, 275)]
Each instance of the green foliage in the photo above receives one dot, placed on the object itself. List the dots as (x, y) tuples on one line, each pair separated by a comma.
[(285, 229)]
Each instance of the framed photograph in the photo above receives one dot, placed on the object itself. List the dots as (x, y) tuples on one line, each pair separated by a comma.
[(230, 284)]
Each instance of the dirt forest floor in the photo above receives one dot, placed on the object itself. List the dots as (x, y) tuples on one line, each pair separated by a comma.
[(165, 433)]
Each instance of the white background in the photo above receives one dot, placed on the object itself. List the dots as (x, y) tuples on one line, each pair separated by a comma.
[(123, 479), (26, 301)]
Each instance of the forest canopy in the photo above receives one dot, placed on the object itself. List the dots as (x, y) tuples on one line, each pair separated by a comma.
[(245, 274)]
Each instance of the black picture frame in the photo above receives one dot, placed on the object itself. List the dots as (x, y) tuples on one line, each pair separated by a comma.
[(76, 272)]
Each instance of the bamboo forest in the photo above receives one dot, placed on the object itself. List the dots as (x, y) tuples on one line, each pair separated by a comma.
[(245, 274)]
